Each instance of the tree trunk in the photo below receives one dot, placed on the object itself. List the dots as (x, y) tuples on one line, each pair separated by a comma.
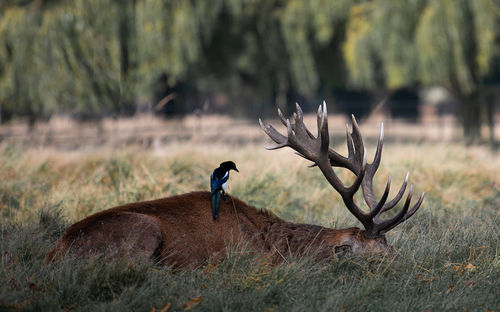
[(491, 122), (126, 36), (490, 96), (471, 118)]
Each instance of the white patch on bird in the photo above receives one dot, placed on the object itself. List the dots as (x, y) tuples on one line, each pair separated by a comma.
[(224, 186), (227, 173)]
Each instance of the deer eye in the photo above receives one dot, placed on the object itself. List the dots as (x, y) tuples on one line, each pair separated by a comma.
[(343, 249)]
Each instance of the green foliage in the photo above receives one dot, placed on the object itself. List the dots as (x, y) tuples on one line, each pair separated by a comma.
[(447, 43), (102, 57), (306, 24), (59, 59), (398, 44), (171, 34), (379, 48)]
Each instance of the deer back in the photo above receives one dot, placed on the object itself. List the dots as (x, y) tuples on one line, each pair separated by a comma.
[(180, 231), (176, 230)]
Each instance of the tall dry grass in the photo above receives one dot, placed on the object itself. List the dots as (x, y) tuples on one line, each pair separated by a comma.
[(448, 252)]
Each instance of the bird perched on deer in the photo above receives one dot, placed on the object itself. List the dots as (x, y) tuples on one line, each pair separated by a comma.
[(218, 184)]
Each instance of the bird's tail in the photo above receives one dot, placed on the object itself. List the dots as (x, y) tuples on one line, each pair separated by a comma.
[(215, 204)]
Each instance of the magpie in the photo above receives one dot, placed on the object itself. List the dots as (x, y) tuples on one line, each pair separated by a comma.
[(218, 184)]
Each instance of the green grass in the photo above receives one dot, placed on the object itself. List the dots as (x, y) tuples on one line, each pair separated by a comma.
[(448, 253)]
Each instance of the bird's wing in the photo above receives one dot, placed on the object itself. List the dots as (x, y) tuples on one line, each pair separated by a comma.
[(216, 184), (215, 204)]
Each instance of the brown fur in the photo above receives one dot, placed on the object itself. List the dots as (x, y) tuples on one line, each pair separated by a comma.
[(179, 231)]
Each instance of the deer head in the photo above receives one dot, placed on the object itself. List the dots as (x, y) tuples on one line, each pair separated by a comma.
[(316, 149)]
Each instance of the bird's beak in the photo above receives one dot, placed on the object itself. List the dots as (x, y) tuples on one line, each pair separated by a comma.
[(236, 169)]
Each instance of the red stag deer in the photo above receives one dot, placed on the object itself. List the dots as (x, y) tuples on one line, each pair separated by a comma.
[(179, 230)]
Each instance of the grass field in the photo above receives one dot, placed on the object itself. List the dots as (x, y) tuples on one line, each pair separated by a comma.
[(448, 253)]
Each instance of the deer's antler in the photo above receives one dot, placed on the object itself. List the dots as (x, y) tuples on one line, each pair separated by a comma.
[(316, 149)]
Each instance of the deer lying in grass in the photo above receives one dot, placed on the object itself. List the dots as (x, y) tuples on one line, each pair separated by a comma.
[(179, 230)]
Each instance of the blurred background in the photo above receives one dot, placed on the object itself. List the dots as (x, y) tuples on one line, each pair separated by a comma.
[(107, 102), (131, 67)]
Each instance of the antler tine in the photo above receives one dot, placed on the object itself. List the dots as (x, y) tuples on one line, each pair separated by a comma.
[(299, 110), (359, 177), (391, 222), (409, 214), (274, 135), (337, 160), (272, 148), (370, 172), (282, 118), (300, 120), (319, 120), (378, 208), (325, 136), (299, 115), (299, 128), (355, 148), (350, 143), (378, 152), (357, 139), (397, 198)]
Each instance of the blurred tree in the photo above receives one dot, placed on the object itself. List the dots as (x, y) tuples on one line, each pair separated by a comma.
[(396, 44), (92, 58), (313, 33), (379, 50), (104, 56), (468, 35), (19, 77), (170, 37), (62, 56), (128, 58)]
